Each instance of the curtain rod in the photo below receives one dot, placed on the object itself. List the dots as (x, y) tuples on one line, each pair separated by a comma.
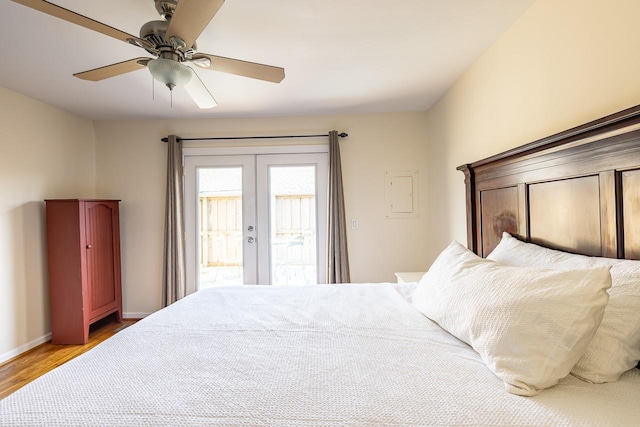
[(341, 135)]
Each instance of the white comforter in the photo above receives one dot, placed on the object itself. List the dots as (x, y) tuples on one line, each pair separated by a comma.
[(297, 356)]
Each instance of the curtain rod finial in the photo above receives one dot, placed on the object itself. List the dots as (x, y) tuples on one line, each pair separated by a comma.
[(343, 135)]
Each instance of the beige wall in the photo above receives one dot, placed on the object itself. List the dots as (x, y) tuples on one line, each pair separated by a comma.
[(131, 166), (44, 153), (562, 63)]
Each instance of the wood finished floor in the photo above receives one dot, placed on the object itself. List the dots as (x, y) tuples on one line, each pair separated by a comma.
[(21, 370)]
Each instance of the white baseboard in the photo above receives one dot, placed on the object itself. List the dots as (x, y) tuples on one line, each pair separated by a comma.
[(28, 346), (134, 315)]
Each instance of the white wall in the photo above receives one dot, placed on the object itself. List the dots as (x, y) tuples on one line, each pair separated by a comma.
[(44, 153), (563, 63), (131, 163)]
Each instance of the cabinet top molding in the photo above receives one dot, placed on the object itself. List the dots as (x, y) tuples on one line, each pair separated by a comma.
[(82, 200)]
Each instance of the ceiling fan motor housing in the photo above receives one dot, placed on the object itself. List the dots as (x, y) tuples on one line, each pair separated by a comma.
[(154, 33)]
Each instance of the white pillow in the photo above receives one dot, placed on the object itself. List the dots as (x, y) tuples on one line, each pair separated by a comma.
[(530, 326), (615, 348), (512, 251)]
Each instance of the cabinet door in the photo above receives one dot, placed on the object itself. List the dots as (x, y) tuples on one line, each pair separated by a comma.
[(101, 246)]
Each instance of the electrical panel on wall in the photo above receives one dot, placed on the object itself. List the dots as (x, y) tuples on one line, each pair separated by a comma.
[(401, 194)]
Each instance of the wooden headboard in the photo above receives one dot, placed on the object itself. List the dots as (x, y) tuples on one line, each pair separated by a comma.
[(577, 191)]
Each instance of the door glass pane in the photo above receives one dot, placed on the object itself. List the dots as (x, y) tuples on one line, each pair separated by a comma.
[(220, 228), (292, 200)]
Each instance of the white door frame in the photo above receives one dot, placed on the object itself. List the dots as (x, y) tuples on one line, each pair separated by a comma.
[(192, 158)]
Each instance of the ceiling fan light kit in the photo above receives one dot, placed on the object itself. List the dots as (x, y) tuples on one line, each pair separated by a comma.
[(171, 73), (173, 44)]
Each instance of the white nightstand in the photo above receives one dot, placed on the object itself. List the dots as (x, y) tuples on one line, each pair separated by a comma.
[(409, 276)]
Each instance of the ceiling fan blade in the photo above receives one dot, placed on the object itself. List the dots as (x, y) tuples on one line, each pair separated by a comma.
[(83, 21), (113, 70), (240, 68), (199, 92), (190, 19)]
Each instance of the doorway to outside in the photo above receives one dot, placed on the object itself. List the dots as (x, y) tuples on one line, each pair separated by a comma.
[(255, 219)]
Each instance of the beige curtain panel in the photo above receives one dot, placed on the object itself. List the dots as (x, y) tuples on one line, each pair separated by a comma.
[(173, 276), (337, 254)]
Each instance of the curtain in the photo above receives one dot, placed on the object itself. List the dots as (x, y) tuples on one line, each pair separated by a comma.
[(173, 275), (337, 256)]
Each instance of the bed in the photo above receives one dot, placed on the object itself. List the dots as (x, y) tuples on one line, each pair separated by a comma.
[(365, 354)]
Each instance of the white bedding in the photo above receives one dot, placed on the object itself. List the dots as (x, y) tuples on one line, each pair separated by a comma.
[(316, 355)]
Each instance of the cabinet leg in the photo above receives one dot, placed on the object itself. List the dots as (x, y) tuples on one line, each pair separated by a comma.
[(85, 332)]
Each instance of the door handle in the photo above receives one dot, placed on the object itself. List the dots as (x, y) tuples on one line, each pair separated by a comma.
[(250, 239)]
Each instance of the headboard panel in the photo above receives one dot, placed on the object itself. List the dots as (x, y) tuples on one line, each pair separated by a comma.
[(578, 191)]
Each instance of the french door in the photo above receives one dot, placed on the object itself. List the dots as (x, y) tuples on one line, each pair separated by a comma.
[(255, 219)]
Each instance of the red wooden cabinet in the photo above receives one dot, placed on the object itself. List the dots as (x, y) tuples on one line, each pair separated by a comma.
[(83, 246)]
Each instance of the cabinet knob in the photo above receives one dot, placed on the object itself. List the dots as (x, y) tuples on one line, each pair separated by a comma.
[(88, 246)]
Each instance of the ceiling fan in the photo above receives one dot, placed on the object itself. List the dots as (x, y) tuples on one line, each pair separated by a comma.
[(172, 42)]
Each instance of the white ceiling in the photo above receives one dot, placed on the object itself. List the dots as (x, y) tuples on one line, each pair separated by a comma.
[(340, 56)]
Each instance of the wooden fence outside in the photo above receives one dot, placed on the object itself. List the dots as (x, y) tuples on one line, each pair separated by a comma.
[(221, 230)]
